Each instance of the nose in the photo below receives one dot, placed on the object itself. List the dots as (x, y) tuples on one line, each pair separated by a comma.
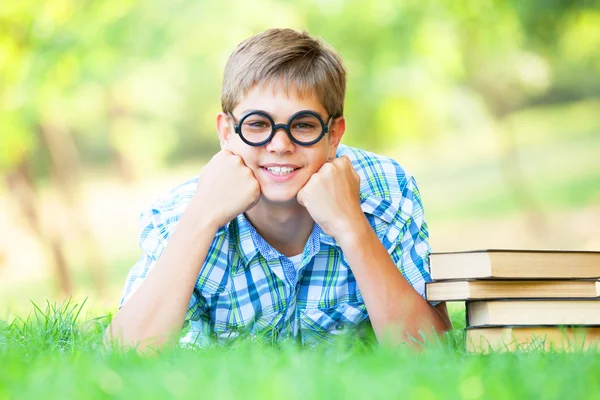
[(281, 142)]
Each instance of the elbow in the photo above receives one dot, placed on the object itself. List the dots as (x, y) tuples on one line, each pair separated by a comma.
[(115, 339), (109, 339)]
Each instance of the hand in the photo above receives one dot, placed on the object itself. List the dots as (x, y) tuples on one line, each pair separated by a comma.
[(332, 197), (226, 188)]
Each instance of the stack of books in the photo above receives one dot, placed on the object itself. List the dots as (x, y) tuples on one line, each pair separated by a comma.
[(520, 299)]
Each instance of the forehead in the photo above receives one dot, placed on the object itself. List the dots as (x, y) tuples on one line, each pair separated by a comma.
[(278, 100)]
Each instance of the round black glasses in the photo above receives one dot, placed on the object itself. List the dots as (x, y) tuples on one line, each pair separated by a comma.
[(305, 128)]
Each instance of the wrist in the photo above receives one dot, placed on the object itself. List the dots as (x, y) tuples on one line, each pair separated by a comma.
[(196, 219), (354, 231)]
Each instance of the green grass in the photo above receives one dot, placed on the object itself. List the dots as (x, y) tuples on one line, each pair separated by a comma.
[(56, 353)]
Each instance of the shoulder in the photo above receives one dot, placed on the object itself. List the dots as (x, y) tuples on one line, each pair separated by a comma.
[(174, 201), (387, 189), (159, 220), (380, 175), (170, 206)]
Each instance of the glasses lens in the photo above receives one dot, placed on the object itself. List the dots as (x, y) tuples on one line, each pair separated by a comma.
[(306, 127), (256, 128)]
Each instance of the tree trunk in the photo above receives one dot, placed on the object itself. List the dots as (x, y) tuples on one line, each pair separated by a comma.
[(122, 159), (65, 163), (22, 190)]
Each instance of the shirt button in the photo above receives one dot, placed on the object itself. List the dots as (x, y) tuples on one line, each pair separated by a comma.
[(339, 326)]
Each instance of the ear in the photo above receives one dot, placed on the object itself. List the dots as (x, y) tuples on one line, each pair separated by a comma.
[(338, 128), (223, 123)]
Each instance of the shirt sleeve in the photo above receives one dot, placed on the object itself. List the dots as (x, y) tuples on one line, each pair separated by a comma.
[(153, 239), (411, 248)]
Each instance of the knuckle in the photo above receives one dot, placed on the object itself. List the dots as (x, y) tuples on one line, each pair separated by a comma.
[(328, 166)]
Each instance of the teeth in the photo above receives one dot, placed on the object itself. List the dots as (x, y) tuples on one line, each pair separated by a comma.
[(281, 170)]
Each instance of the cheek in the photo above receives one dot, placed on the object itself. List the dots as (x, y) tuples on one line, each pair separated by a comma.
[(317, 160), (246, 152)]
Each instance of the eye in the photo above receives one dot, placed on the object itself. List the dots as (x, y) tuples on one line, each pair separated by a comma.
[(304, 125), (256, 124)]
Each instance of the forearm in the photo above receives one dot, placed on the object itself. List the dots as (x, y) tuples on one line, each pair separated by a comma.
[(154, 314), (394, 306)]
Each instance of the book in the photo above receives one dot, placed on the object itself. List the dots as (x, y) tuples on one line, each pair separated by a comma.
[(533, 312), (511, 289), (515, 264), (527, 338)]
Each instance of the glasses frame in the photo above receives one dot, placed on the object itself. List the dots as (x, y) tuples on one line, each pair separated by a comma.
[(286, 127)]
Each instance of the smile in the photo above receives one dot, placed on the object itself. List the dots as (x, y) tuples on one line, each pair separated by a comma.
[(280, 173), (281, 170)]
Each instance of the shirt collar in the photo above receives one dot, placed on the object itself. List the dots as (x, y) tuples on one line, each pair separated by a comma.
[(249, 243)]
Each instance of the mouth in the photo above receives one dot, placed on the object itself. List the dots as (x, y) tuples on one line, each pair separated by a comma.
[(280, 172)]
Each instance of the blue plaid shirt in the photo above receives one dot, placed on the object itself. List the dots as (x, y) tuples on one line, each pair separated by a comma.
[(245, 285)]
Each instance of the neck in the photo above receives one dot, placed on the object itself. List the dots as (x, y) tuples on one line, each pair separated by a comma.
[(285, 227)]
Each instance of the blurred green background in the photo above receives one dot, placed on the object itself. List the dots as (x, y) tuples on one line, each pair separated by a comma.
[(494, 106)]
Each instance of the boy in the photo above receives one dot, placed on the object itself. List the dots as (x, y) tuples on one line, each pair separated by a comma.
[(285, 232)]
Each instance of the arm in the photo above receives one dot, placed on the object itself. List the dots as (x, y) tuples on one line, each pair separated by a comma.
[(332, 198), (155, 313), (394, 306)]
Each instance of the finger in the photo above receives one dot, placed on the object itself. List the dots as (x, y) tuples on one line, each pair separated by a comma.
[(324, 168), (255, 202), (238, 159), (356, 177), (252, 173), (348, 163), (299, 198), (343, 160)]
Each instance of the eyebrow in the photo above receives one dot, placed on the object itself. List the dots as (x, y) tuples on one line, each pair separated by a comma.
[(245, 112), (249, 111)]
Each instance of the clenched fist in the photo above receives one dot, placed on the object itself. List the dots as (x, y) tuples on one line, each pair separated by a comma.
[(332, 197), (226, 188)]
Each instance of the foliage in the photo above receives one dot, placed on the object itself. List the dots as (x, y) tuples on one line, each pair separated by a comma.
[(143, 78)]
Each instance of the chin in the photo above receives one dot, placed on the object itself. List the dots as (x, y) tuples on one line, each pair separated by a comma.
[(280, 198)]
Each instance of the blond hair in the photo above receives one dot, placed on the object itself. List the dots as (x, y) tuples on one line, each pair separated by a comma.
[(286, 55)]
